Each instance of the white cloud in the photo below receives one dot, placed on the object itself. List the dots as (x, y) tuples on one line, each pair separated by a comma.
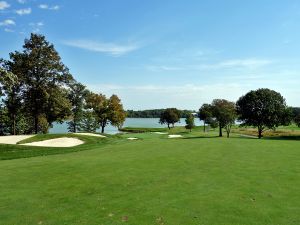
[(38, 24), (7, 22), (36, 27), (56, 7), (22, 12), (45, 6), (250, 63), (4, 5), (22, 1), (8, 30), (103, 47)]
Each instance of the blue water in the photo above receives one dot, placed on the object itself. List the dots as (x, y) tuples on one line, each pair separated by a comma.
[(129, 122)]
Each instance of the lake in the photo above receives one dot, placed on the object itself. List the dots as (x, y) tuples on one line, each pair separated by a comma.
[(129, 122)]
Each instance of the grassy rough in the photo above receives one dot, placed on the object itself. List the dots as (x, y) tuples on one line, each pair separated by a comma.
[(195, 180)]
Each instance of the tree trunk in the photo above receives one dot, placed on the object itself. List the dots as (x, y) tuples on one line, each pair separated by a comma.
[(228, 133), (14, 125), (260, 133), (220, 131), (36, 122), (204, 128), (75, 130), (102, 129), (169, 126)]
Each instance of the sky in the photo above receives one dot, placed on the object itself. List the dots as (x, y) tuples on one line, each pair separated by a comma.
[(170, 53)]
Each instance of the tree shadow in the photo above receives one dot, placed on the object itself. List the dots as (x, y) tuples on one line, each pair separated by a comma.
[(200, 137), (280, 138)]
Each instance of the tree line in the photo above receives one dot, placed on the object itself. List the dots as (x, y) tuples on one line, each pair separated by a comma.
[(154, 113), (264, 109), (37, 89)]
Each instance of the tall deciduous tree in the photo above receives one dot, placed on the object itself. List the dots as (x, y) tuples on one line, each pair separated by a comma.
[(169, 116), (77, 95), (117, 113), (44, 77), (225, 113), (100, 106), (264, 109)]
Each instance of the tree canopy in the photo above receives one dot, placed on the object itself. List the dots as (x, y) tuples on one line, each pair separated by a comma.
[(169, 116), (225, 113), (190, 123), (264, 109)]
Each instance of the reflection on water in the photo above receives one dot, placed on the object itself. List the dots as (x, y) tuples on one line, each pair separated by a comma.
[(129, 122)]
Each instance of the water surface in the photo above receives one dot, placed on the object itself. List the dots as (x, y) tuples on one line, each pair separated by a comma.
[(129, 122)]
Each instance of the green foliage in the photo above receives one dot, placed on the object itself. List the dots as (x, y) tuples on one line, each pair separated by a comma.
[(89, 122), (42, 76), (190, 123), (99, 104), (169, 116), (225, 113), (206, 114), (76, 95), (117, 113), (264, 109), (106, 110)]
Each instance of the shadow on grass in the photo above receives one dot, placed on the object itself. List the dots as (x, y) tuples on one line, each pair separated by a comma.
[(200, 137), (280, 138)]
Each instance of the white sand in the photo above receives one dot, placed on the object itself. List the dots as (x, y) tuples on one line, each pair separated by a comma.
[(91, 134), (160, 133), (132, 138), (174, 136), (13, 139), (57, 142)]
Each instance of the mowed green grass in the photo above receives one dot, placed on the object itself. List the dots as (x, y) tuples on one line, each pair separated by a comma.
[(196, 180)]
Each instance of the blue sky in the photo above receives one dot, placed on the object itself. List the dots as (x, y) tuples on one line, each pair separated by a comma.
[(171, 53)]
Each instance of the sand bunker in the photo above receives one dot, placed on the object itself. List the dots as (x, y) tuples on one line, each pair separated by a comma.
[(91, 134), (13, 139), (160, 133), (174, 136), (57, 142), (132, 138)]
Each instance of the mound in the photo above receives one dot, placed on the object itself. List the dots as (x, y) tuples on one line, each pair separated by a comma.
[(91, 134)]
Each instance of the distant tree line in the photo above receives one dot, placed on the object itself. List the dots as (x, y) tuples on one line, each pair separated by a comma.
[(154, 113), (264, 109), (37, 89)]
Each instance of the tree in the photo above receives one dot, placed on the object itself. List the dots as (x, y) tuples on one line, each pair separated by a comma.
[(11, 87), (264, 109), (117, 113), (100, 106), (44, 77), (169, 116), (89, 122), (225, 113), (296, 115), (297, 120), (205, 114), (190, 124), (77, 94)]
